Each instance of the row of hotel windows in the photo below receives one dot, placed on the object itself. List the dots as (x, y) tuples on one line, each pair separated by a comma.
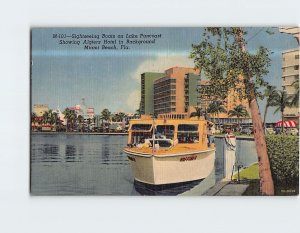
[(163, 94), (165, 82), (164, 110), (295, 68), (296, 57), (164, 105), (164, 99), (296, 77), (164, 88)]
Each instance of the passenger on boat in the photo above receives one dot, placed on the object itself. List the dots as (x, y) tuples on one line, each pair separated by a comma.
[(210, 136)]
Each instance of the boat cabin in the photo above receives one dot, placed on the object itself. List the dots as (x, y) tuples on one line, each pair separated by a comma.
[(168, 130)]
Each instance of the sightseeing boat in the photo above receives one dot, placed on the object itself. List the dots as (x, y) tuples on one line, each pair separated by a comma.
[(170, 149)]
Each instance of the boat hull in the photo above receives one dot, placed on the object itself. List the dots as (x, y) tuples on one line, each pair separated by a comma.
[(170, 169)]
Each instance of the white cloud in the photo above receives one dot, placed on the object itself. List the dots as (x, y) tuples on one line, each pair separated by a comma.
[(160, 64), (133, 100)]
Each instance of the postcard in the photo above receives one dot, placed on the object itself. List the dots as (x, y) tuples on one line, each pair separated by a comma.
[(166, 111)]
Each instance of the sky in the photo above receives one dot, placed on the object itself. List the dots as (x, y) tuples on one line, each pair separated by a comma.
[(64, 74)]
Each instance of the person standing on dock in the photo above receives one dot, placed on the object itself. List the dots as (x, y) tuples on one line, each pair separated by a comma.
[(229, 153), (210, 135)]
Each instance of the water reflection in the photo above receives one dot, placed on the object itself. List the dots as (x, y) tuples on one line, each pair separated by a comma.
[(164, 190), (95, 165), (70, 153), (105, 150)]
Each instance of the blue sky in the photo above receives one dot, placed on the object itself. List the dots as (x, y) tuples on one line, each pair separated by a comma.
[(64, 74)]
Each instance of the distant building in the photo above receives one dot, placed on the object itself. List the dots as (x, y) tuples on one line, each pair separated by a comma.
[(40, 109), (90, 113), (295, 31), (203, 100), (171, 92), (190, 90), (83, 110), (230, 102), (147, 80), (290, 72)]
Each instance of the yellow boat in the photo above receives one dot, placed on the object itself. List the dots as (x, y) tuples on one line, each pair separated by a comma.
[(180, 152)]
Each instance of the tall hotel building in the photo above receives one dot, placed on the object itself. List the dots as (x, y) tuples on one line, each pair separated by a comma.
[(147, 81), (290, 72), (176, 90)]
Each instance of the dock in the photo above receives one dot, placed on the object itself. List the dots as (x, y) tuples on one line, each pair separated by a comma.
[(227, 188)]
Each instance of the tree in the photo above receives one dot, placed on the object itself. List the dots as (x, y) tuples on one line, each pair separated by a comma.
[(238, 111), (198, 112), (119, 116), (295, 100), (46, 117), (223, 58), (70, 117), (105, 116), (270, 94), (215, 108), (80, 121), (281, 101), (33, 117)]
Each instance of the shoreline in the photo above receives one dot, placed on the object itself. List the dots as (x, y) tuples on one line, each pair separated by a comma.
[(248, 138), (80, 133)]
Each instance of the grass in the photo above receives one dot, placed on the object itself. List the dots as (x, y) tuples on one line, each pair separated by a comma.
[(249, 173)]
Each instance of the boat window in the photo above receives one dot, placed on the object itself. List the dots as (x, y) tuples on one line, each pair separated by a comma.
[(188, 133), (141, 127), (186, 127), (140, 137), (165, 130)]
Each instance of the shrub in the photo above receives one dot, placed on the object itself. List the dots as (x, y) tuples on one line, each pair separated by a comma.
[(283, 152)]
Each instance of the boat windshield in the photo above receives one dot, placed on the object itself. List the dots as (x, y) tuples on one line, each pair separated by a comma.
[(144, 127), (188, 133), (165, 131)]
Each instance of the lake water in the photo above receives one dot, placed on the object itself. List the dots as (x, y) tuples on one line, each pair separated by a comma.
[(69, 164)]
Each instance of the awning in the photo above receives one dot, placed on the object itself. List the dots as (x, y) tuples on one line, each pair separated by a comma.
[(288, 124)]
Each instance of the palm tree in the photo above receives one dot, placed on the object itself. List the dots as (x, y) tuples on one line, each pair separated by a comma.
[(33, 119), (270, 94), (53, 119), (295, 100), (238, 111), (120, 116), (281, 101), (67, 114), (70, 117), (105, 116), (80, 120), (46, 117), (198, 112), (215, 108)]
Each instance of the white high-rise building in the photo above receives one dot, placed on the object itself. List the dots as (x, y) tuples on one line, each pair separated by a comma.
[(290, 71)]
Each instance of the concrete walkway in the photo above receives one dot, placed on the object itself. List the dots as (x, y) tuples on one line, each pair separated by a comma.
[(226, 188)]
